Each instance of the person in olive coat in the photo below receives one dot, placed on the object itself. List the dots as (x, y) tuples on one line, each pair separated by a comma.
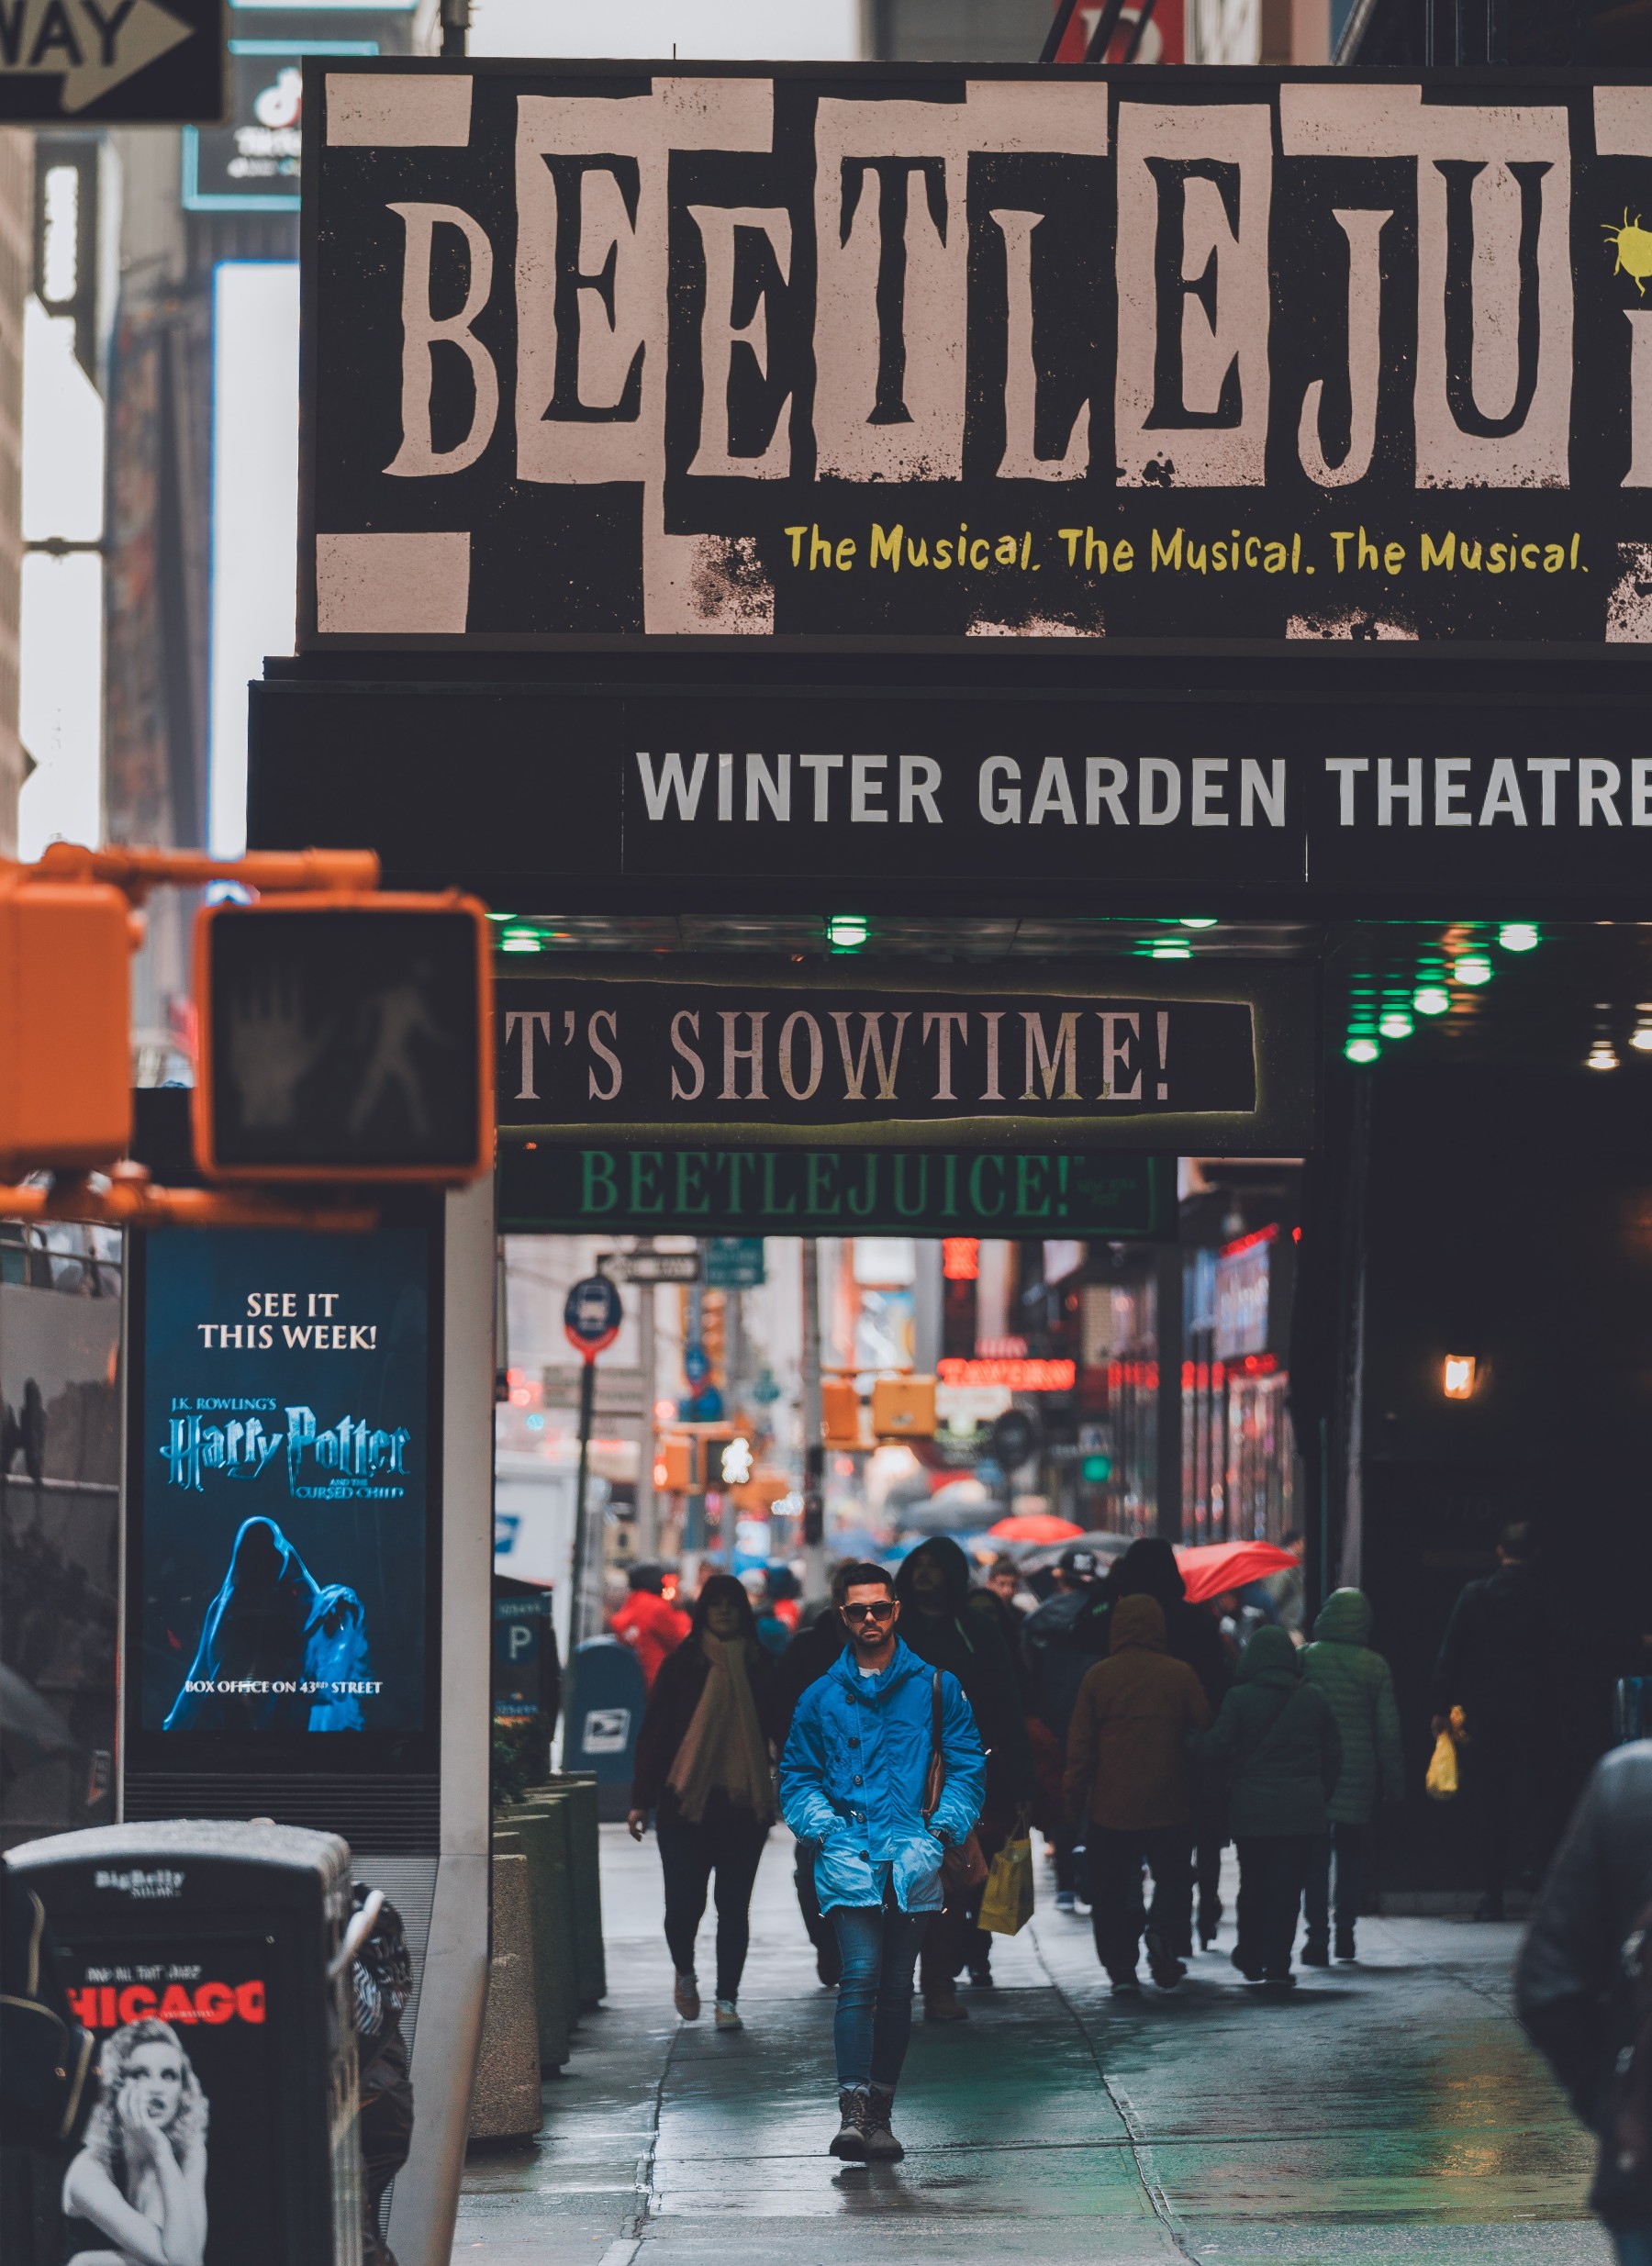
[(1356, 1680), (1279, 1738)]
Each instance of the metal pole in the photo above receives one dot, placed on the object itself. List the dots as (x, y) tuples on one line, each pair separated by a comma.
[(1102, 38), (587, 1402), (648, 1510), (814, 1451), (1168, 1310)]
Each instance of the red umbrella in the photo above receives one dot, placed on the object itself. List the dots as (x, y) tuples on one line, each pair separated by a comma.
[(1036, 1526), (1210, 1567)]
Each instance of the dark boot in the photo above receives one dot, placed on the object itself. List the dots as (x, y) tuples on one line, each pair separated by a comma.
[(1163, 1965), (1317, 1952), (850, 2138), (1345, 1944), (882, 2146)]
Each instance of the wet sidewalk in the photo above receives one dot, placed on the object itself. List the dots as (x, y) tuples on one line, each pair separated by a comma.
[(1390, 2112)]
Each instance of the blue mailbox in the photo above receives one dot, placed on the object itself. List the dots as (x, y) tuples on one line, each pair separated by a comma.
[(604, 1716)]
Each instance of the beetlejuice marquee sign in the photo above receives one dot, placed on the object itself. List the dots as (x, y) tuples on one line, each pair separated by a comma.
[(897, 353)]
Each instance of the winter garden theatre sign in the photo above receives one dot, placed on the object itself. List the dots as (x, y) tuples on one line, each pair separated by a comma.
[(898, 354)]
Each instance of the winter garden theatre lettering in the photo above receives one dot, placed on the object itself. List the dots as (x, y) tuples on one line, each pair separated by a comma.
[(914, 353)]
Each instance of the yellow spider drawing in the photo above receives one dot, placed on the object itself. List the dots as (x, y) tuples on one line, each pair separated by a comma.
[(1633, 245)]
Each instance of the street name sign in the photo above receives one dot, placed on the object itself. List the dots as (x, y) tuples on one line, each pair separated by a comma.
[(111, 61), (644, 1267), (911, 354)]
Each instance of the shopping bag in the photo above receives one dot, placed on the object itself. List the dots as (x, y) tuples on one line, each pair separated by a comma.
[(1007, 1899), (1441, 1783)]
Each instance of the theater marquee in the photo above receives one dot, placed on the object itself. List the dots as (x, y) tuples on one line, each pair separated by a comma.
[(897, 353)]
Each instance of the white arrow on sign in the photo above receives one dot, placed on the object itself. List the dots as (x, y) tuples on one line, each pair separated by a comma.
[(90, 45)]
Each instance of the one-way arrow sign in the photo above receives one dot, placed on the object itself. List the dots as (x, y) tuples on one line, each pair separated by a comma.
[(142, 61)]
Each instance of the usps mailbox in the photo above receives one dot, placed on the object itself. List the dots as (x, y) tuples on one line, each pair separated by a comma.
[(210, 1963), (604, 1714)]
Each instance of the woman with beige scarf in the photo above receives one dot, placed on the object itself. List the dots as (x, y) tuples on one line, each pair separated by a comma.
[(704, 1765)]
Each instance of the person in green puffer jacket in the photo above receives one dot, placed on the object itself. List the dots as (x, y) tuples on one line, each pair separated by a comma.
[(1356, 1680), (1279, 1737)]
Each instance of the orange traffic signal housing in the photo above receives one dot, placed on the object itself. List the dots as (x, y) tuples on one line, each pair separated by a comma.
[(840, 1412), (673, 1467), (345, 1038), (65, 1054)]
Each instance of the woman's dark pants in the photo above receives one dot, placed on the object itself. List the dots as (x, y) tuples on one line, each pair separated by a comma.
[(730, 1845)]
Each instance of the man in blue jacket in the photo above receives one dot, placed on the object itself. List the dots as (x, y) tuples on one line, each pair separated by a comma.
[(852, 1785)]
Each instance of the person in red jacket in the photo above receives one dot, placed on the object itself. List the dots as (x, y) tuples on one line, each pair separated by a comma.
[(647, 1623)]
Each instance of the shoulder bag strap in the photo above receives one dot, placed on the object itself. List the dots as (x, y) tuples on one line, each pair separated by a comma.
[(934, 1784)]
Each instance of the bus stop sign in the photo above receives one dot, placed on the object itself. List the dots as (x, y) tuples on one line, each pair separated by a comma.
[(592, 1316)]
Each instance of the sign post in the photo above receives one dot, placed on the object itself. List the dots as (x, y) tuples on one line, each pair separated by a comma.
[(591, 1319)]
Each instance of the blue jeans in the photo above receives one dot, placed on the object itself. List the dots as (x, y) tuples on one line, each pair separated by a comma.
[(872, 2027), (1633, 2244)]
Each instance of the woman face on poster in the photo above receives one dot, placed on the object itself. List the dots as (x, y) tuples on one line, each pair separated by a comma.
[(140, 2177)]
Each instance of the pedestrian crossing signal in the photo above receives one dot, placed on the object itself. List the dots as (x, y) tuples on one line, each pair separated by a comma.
[(344, 1039)]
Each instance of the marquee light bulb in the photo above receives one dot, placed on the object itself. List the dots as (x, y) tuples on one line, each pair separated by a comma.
[(1473, 968), (1202, 921), (1396, 1023), (1519, 936), (1362, 1049), (1431, 1000), (520, 939), (1640, 1038), (846, 930), (1171, 952), (1601, 1055)]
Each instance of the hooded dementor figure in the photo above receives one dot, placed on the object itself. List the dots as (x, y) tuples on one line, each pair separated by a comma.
[(272, 1622)]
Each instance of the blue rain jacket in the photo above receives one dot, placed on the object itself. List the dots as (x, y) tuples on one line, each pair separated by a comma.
[(852, 1775)]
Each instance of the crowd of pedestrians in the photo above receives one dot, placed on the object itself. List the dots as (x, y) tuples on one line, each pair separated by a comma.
[(922, 1719)]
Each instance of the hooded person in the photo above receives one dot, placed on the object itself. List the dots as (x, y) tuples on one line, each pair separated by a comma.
[(1061, 1641), (705, 1767), (1278, 1739), (1356, 1680), (938, 1624), (1148, 1568), (805, 1660), (271, 1623), (648, 1622), (1128, 1781)]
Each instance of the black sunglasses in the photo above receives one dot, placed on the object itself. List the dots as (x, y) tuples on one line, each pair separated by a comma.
[(882, 1611)]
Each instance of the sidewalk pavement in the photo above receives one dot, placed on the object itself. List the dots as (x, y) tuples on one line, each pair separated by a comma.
[(1389, 2114)]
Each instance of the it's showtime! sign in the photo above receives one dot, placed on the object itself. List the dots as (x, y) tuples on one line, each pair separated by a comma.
[(899, 354)]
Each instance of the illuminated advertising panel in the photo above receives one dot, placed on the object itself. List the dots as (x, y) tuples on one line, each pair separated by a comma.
[(279, 1599), (180, 2150)]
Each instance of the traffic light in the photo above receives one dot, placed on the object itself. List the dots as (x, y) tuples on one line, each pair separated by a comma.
[(65, 1055), (840, 1412), (903, 1408), (674, 1467), (344, 1039)]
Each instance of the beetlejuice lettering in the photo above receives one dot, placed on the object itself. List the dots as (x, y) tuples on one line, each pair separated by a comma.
[(1188, 354)]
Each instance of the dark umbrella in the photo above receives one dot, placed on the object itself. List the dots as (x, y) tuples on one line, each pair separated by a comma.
[(30, 1729)]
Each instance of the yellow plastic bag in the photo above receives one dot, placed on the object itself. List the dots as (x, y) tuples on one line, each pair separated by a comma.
[(1007, 1899), (1442, 1780)]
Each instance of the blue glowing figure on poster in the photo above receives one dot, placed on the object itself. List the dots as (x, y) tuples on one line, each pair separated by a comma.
[(282, 1530)]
